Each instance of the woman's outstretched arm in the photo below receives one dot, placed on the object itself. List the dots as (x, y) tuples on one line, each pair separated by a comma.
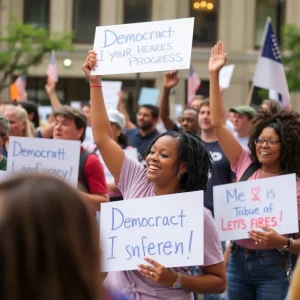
[(228, 142), (111, 152)]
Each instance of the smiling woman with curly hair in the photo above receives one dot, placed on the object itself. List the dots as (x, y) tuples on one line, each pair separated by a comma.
[(286, 125), (259, 267)]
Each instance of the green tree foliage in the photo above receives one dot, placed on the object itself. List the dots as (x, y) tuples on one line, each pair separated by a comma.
[(24, 46), (291, 56)]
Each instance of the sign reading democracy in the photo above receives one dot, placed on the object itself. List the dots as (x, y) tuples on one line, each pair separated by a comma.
[(55, 157), (166, 228), (144, 47), (243, 206)]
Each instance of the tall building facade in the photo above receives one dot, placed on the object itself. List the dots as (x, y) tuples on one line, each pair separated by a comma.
[(239, 23)]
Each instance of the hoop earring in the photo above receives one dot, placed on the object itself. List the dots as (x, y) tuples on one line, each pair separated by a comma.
[(178, 175)]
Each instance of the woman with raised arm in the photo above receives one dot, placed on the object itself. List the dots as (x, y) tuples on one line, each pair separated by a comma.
[(259, 267), (175, 162)]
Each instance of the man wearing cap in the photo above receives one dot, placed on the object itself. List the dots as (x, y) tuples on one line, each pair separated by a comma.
[(242, 123), (117, 122)]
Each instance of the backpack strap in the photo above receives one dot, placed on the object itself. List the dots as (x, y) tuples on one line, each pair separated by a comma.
[(95, 149), (82, 161), (250, 171)]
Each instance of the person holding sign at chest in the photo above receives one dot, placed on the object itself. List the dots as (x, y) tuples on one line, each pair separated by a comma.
[(175, 162), (259, 267)]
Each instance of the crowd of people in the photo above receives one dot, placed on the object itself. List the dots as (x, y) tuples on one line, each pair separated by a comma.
[(49, 233)]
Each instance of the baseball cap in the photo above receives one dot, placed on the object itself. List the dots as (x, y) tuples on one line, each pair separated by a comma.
[(244, 110), (115, 116)]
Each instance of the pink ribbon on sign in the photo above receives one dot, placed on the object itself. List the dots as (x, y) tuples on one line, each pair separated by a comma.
[(255, 193)]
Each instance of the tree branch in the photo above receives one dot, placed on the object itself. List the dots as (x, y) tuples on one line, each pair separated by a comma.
[(12, 67)]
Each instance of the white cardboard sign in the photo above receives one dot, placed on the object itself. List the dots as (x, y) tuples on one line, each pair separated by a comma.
[(4, 175), (169, 229), (55, 157), (44, 111), (76, 104), (144, 47), (243, 206), (111, 90), (225, 76)]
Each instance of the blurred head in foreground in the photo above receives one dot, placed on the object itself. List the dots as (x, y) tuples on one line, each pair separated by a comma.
[(49, 245)]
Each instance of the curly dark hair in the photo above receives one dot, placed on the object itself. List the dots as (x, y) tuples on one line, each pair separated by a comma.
[(193, 152), (286, 124)]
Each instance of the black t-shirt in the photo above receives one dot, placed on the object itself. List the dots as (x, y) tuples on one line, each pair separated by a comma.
[(222, 172)]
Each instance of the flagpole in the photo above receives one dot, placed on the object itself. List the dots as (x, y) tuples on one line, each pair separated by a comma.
[(250, 93)]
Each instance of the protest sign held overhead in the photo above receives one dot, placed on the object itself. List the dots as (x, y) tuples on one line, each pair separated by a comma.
[(225, 76), (149, 96), (144, 47), (111, 90)]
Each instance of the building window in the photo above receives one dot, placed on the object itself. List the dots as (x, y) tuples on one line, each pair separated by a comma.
[(86, 16), (136, 11), (206, 21), (37, 13), (264, 9)]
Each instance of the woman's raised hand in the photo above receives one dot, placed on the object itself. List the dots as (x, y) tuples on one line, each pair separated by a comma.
[(217, 58), (89, 65)]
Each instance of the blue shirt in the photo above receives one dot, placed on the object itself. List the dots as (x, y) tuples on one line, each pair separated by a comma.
[(138, 141)]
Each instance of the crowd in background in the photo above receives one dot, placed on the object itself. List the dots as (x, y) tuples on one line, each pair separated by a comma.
[(47, 254)]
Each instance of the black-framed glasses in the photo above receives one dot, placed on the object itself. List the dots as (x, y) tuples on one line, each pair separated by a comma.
[(268, 142)]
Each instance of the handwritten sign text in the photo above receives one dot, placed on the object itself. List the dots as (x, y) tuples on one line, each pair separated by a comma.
[(144, 47), (167, 228), (240, 207), (55, 157)]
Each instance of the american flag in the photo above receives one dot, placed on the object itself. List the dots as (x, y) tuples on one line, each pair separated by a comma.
[(21, 86), (270, 73), (194, 83), (52, 70)]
